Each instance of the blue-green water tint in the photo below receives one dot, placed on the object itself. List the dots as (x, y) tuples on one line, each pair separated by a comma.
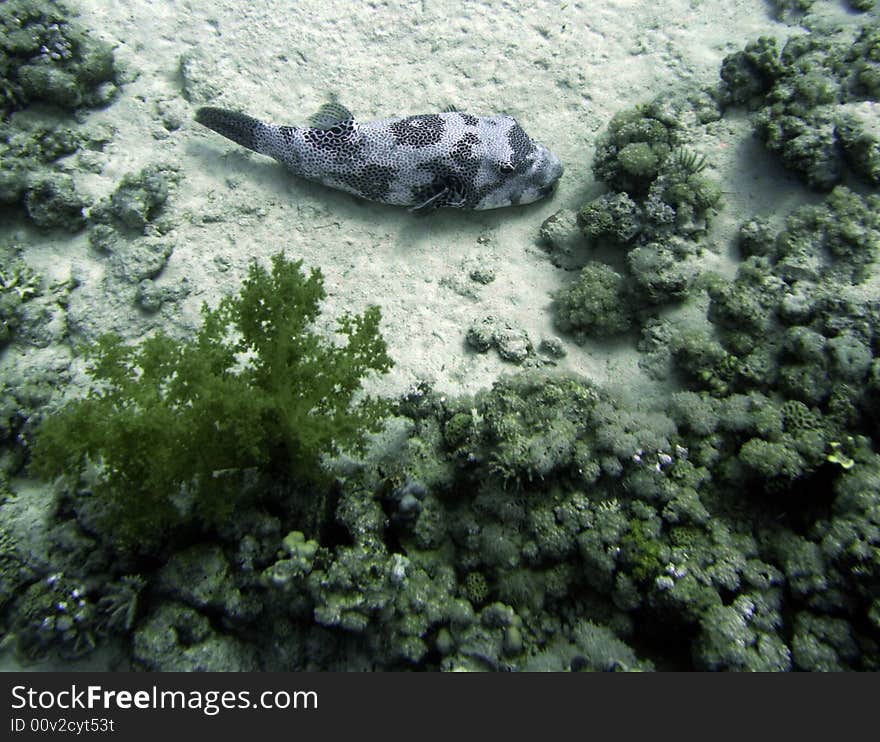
[(704, 463)]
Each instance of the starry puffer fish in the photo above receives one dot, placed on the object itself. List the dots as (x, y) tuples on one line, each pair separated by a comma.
[(448, 159)]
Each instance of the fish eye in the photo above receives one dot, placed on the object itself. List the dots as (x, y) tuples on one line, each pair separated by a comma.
[(507, 167)]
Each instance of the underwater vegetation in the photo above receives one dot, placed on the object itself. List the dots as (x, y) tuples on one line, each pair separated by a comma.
[(233, 500), (173, 424)]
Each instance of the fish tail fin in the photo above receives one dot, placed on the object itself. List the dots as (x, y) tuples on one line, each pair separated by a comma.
[(239, 127)]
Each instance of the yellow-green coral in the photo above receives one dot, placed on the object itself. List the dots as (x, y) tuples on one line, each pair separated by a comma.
[(192, 415), (838, 455)]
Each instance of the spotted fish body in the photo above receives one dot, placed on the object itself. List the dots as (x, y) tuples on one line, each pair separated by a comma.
[(448, 159)]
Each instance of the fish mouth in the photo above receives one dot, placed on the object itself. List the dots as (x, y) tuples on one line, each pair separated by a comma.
[(553, 176), (553, 170)]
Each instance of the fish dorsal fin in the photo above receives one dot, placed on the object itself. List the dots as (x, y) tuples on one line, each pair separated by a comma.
[(330, 115), (451, 108)]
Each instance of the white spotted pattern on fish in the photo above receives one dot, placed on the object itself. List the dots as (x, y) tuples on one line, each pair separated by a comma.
[(448, 159)]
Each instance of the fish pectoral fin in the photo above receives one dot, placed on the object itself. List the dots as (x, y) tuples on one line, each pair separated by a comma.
[(446, 192), (330, 115), (455, 199), (433, 202)]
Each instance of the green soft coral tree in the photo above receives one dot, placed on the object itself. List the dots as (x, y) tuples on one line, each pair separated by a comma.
[(174, 424)]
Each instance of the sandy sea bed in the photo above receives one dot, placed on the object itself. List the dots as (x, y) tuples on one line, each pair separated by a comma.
[(563, 69)]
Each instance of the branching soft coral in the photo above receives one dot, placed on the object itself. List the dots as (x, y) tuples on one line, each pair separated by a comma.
[(173, 425)]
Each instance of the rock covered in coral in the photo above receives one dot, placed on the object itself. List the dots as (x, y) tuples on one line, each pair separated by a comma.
[(137, 200), (656, 214), (512, 343), (595, 305), (858, 130), (814, 101), (175, 638), (45, 56), (561, 237), (18, 285), (200, 576), (53, 203)]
